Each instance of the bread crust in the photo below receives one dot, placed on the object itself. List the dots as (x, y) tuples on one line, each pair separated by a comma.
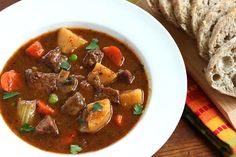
[(181, 10), (166, 9)]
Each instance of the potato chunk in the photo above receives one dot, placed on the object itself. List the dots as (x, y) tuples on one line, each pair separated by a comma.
[(68, 41), (131, 97), (105, 75), (96, 120)]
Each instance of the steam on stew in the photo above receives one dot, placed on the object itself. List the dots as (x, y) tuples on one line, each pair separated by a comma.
[(73, 91)]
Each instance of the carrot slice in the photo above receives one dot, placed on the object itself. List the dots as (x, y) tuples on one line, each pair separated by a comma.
[(118, 119), (114, 54), (35, 50), (10, 81), (42, 107)]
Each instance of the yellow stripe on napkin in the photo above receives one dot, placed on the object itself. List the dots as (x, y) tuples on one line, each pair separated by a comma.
[(220, 128)]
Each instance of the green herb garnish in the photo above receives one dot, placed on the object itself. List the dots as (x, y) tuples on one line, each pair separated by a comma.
[(75, 149), (8, 95), (65, 65), (138, 109), (93, 45), (97, 107), (27, 128)]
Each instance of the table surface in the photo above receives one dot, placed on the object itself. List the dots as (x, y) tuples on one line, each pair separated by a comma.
[(184, 142)]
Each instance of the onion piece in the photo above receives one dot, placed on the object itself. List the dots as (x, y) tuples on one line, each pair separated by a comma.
[(26, 110)]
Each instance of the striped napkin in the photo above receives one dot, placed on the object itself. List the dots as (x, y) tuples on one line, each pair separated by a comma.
[(200, 112)]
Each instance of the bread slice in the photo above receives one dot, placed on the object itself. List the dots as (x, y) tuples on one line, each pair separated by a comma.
[(182, 14), (206, 28), (166, 9), (198, 12), (221, 70), (224, 31)]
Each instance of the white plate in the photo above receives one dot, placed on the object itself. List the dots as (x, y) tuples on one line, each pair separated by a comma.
[(127, 22)]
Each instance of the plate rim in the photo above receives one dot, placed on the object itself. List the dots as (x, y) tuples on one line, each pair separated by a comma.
[(136, 9)]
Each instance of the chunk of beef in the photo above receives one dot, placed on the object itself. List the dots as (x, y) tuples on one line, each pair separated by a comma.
[(110, 93), (47, 126), (82, 120), (69, 85), (126, 76), (50, 82), (96, 83), (74, 104), (93, 57), (54, 58), (85, 85), (40, 81)]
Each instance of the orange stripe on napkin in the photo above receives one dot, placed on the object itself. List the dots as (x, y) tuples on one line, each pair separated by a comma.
[(204, 109), (199, 103)]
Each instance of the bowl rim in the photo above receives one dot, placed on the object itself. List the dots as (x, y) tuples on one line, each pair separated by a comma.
[(126, 38)]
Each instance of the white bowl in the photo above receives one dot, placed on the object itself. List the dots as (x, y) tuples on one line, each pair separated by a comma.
[(130, 24)]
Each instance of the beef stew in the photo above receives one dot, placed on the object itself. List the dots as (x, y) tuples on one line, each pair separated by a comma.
[(67, 91)]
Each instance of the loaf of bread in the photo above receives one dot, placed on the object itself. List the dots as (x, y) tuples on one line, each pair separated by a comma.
[(221, 70), (208, 24), (166, 9), (182, 14), (198, 12), (224, 30), (213, 23)]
